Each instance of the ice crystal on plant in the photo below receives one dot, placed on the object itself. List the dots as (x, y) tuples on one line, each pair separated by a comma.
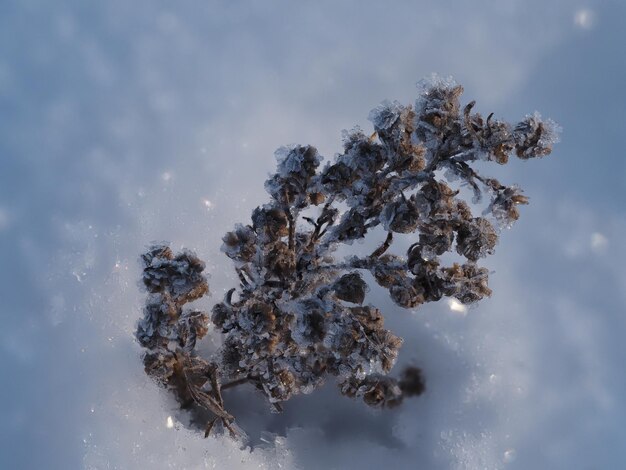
[(298, 315)]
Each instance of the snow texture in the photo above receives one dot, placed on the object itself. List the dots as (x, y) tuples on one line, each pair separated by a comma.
[(118, 120)]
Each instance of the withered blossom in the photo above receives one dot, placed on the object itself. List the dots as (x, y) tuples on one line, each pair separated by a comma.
[(467, 282), (337, 177), (280, 260), (534, 137), (401, 215), (476, 239), (388, 270), (270, 221), (369, 317), (222, 315), (298, 316), (503, 206), (351, 288), (179, 276), (240, 244), (376, 390), (406, 295), (437, 237)]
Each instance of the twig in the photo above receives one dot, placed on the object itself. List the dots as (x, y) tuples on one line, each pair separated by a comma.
[(384, 247)]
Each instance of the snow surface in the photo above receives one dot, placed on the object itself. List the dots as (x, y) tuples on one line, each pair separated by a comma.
[(123, 123)]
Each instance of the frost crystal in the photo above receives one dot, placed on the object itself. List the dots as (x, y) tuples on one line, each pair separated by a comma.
[(299, 315)]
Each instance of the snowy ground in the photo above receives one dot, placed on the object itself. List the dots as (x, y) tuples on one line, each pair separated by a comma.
[(127, 122)]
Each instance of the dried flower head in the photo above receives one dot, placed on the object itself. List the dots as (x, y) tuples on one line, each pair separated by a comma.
[(299, 315)]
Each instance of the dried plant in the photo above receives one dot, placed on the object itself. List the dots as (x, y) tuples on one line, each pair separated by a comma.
[(297, 315)]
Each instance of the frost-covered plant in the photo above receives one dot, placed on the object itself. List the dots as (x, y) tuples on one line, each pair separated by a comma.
[(298, 314)]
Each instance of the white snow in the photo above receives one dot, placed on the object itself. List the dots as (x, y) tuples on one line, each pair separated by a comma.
[(104, 108)]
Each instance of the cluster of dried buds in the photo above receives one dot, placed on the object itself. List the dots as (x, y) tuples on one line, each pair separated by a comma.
[(298, 314)]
